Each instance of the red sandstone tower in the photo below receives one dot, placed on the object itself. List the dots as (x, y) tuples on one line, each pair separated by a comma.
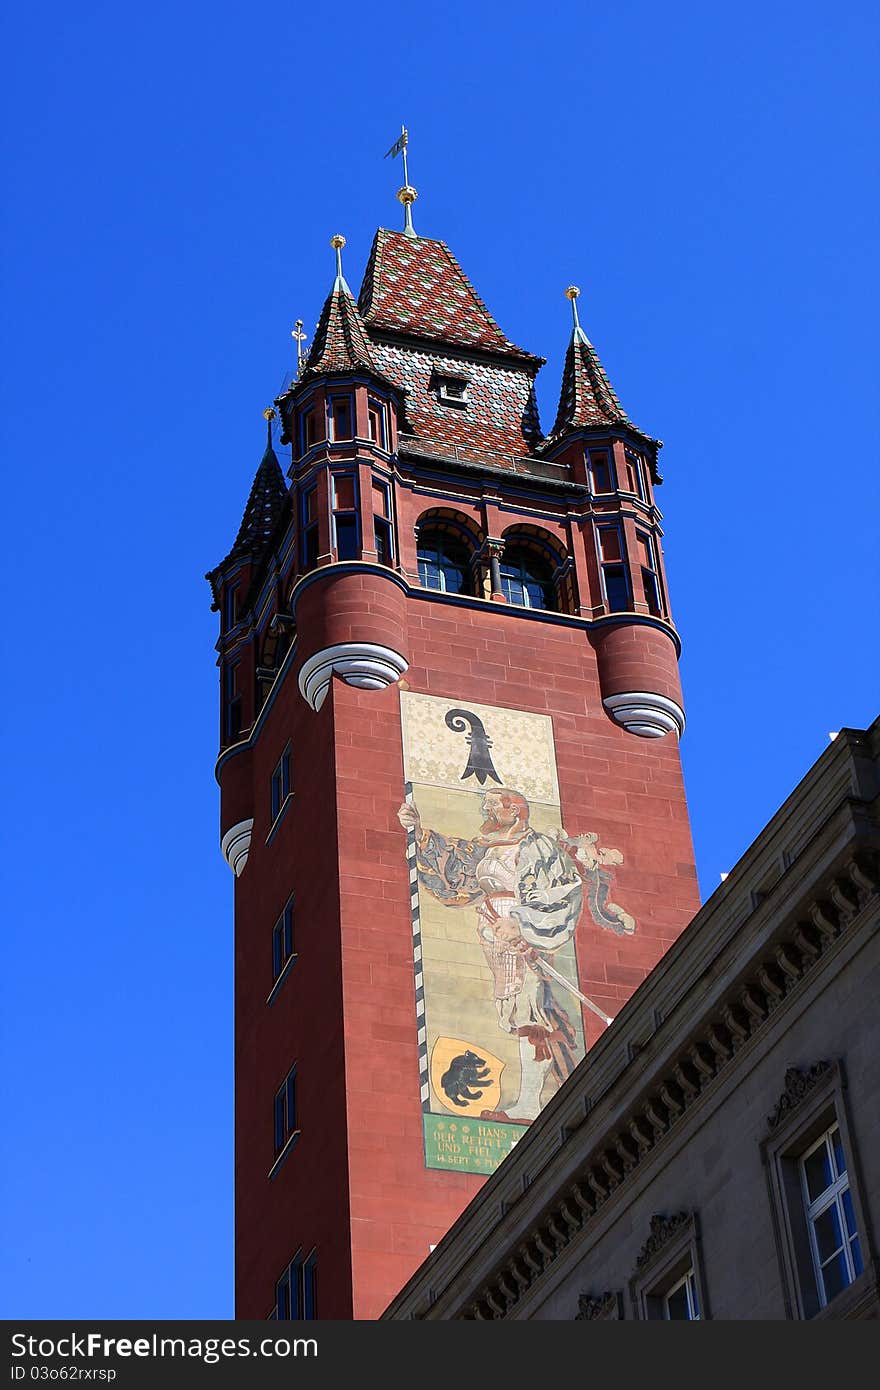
[(451, 792)]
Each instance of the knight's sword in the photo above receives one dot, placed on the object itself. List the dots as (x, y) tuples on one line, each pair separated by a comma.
[(572, 989)]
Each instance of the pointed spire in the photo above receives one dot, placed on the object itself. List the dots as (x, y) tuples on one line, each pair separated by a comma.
[(587, 396), (340, 343), (267, 500)]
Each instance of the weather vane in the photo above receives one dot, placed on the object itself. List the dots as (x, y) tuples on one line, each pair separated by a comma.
[(297, 333), (406, 195)]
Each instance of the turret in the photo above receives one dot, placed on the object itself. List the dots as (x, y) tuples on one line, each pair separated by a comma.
[(341, 419), (237, 585), (620, 556)]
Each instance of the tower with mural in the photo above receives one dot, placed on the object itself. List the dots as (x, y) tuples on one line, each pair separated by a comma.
[(451, 793)]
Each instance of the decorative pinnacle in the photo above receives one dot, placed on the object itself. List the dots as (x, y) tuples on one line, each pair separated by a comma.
[(407, 196), (572, 294), (337, 242), (269, 416), (300, 337)]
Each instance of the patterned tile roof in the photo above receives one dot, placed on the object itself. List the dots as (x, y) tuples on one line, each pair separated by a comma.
[(268, 501), (415, 285), (340, 343), (587, 396)]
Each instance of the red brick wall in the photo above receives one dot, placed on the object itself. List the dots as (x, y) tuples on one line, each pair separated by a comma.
[(627, 789), (306, 1205), (355, 1185)]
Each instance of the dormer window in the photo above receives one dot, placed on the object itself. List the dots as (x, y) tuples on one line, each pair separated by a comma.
[(452, 390)]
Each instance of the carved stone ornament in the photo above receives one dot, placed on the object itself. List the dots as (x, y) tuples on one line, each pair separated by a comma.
[(663, 1228), (797, 1085), (594, 1307)]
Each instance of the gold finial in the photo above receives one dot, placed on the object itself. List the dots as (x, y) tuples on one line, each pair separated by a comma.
[(407, 196), (337, 242), (571, 295), (269, 416), (297, 333)]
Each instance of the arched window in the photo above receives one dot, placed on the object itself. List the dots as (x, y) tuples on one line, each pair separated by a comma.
[(527, 578), (444, 562)]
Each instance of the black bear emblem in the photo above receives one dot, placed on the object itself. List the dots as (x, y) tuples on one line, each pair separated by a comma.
[(465, 1071)]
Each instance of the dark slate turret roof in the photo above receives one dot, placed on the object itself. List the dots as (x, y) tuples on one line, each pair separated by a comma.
[(268, 499), (268, 502), (414, 285), (340, 343), (587, 397)]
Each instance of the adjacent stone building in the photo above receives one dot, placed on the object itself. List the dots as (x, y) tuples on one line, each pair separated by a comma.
[(717, 1153)]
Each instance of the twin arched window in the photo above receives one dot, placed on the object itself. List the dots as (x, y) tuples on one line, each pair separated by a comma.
[(445, 565)]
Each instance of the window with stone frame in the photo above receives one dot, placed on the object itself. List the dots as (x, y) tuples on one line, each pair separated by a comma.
[(819, 1222), (669, 1284)]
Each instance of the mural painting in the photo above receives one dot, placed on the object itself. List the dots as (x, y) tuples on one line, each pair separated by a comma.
[(497, 890)]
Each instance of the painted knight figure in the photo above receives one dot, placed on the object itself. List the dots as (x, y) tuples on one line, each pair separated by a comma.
[(499, 893)]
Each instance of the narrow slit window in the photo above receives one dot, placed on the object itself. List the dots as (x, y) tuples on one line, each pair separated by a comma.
[(310, 529), (232, 693), (310, 428), (633, 465), (376, 423), (230, 607), (285, 1111), (282, 941), (340, 418), (601, 473), (281, 785), (382, 524)]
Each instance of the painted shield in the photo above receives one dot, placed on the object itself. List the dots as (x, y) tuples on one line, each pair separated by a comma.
[(466, 1078)]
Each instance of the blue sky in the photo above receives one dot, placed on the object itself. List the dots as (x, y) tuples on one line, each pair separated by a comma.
[(173, 174)]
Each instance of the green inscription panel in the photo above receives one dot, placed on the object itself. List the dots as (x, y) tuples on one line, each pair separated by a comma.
[(469, 1146)]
